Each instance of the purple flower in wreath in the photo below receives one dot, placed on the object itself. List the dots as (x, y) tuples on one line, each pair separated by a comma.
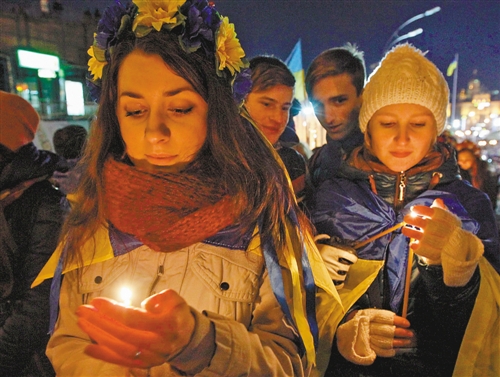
[(94, 90), (202, 22), (242, 84), (113, 24)]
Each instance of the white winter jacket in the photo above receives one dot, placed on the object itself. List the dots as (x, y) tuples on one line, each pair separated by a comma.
[(231, 297)]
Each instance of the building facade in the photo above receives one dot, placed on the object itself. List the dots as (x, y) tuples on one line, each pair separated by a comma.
[(43, 58)]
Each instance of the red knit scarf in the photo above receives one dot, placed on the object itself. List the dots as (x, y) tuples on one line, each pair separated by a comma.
[(165, 211)]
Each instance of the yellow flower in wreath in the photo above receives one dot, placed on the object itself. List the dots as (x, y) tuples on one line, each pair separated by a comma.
[(95, 65), (228, 48), (155, 13)]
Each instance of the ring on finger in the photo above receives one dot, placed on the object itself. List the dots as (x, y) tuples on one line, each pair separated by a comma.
[(137, 354)]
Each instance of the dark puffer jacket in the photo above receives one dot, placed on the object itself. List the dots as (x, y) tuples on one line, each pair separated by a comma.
[(326, 160), (296, 167), (347, 207), (34, 220)]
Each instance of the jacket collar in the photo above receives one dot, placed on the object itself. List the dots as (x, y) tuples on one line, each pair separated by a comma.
[(438, 167), (229, 237)]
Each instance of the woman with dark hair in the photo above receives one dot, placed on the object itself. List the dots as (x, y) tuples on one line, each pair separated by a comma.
[(183, 208)]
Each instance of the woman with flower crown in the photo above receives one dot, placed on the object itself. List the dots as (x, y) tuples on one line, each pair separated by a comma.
[(186, 210)]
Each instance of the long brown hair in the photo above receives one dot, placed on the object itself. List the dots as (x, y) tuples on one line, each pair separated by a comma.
[(234, 151)]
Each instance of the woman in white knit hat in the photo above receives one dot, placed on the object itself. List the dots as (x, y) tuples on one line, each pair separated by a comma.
[(400, 198)]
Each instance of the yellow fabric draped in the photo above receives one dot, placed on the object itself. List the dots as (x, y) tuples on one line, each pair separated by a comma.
[(329, 309), (96, 250), (361, 275), (479, 355)]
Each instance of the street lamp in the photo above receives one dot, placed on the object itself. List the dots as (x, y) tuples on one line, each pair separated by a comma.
[(395, 37), (411, 34)]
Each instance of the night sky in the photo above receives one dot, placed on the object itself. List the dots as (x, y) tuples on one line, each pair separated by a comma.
[(470, 28)]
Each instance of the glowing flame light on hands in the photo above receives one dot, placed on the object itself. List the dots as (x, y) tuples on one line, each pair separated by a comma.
[(126, 296)]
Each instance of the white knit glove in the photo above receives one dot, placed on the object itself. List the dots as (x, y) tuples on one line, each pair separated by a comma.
[(444, 242), (370, 333), (338, 259)]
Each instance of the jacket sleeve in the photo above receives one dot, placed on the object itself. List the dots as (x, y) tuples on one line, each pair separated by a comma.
[(36, 229), (267, 348)]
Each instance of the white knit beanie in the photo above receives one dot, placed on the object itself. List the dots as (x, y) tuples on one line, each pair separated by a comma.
[(405, 75)]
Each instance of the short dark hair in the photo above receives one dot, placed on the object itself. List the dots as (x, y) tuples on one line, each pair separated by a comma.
[(269, 71), (69, 141), (336, 61)]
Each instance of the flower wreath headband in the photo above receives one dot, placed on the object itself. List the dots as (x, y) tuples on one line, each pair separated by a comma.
[(196, 22)]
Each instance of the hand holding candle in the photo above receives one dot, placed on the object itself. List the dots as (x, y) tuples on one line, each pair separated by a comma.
[(137, 337), (440, 239), (430, 229)]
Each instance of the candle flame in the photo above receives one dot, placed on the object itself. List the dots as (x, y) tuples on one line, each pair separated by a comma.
[(126, 296)]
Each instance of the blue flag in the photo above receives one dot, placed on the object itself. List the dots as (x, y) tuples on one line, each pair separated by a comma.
[(451, 68), (294, 63)]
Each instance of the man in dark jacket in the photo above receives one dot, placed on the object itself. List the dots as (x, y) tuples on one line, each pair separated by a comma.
[(334, 84), (31, 215)]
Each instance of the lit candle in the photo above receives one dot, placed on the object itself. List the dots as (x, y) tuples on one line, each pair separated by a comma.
[(126, 296)]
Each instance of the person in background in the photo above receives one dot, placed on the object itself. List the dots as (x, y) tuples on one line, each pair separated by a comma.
[(334, 84), (269, 104), (469, 159), (31, 215), (69, 143), (183, 207), (399, 200), (447, 138)]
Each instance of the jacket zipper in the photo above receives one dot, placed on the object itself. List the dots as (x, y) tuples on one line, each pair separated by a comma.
[(400, 191)]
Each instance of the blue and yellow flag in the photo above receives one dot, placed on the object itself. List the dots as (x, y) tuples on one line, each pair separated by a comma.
[(294, 63), (453, 65)]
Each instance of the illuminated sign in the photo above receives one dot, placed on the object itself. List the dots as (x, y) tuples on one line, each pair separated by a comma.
[(47, 74), (75, 103), (36, 60)]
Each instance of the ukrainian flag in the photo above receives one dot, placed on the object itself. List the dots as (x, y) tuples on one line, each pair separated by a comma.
[(453, 65), (294, 63)]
